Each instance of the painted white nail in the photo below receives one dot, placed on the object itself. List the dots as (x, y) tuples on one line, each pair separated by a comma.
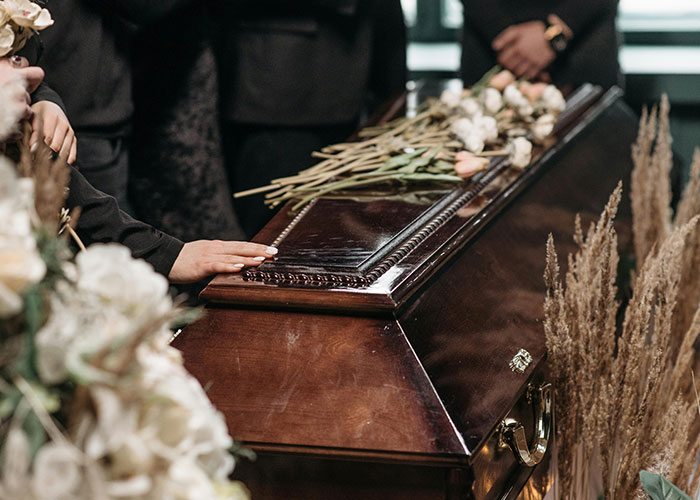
[(34, 147), (271, 251), (238, 265), (259, 259)]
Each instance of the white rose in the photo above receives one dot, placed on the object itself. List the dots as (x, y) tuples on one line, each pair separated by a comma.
[(449, 98), (7, 39), (470, 107), (56, 472), (553, 100), (231, 490), (111, 275), (488, 127), (543, 127), (16, 460), (474, 142), (43, 20), (186, 481), (20, 263), (23, 12), (520, 152), (133, 457), (491, 100)]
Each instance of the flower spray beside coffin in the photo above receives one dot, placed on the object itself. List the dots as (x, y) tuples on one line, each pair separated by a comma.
[(94, 402)]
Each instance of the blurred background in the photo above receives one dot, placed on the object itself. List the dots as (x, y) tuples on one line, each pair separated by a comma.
[(660, 52)]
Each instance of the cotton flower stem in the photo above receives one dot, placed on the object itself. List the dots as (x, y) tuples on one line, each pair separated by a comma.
[(499, 152)]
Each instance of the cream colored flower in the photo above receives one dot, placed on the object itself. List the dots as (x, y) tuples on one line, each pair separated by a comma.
[(543, 127), (20, 263), (488, 127), (27, 14), (491, 100), (451, 99), (553, 100), (56, 472), (7, 39), (513, 98), (520, 152), (16, 462), (12, 104), (470, 107)]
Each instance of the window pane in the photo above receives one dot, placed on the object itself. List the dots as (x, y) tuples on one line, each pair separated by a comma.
[(409, 11), (654, 7), (452, 13)]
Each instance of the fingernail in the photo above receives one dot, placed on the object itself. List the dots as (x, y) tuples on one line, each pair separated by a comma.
[(34, 147), (238, 265), (259, 259), (271, 251)]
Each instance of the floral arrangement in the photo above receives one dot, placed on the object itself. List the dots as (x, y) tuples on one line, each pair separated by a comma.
[(625, 393), (19, 20), (449, 140), (94, 402)]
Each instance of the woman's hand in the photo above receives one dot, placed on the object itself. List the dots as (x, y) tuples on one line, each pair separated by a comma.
[(51, 124), (199, 259)]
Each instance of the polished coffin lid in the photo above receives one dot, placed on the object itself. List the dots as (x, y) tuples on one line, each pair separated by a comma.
[(385, 327)]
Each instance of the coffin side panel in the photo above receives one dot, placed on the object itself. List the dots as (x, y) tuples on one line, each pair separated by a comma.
[(322, 383)]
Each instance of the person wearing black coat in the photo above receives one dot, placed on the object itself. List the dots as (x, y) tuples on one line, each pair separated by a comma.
[(296, 76), (569, 41)]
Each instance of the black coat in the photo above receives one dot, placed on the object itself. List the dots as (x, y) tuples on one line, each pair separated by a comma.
[(101, 221), (591, 56), (308, 63)]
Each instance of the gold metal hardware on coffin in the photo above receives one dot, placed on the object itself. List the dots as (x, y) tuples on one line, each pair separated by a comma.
[(512, 432)]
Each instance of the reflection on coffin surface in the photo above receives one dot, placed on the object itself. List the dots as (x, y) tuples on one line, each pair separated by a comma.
[(395, 349)]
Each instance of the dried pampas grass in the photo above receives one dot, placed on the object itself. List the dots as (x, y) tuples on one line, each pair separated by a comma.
[(620, 399)]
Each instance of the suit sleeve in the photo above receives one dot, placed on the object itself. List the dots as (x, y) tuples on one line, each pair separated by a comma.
[(101, 221), (487, 17), (579, 16), (388, 71)]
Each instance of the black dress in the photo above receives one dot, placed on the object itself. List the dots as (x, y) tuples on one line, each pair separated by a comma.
[(177, 177)]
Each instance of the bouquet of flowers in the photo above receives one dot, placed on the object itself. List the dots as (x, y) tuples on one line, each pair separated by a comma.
[(19, 20), (449, 140), (94, 402)]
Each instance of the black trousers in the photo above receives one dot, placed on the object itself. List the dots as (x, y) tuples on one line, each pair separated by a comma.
[(257, 154)]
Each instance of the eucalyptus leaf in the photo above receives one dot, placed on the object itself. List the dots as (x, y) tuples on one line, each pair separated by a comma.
[(402, 159), (660, 488)]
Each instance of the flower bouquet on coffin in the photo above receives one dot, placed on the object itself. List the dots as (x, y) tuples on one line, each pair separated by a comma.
[(450, 139), (94, 402)]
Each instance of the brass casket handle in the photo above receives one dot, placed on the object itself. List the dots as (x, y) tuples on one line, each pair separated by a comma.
[(513, 432)]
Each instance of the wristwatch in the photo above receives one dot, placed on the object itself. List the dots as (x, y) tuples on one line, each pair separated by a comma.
[(556, 38)]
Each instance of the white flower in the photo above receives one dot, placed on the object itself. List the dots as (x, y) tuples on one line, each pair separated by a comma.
[(450, 98), (470, 107), (462, 127), (491, 100), (56, 472), (513, 98), (471, 136), (20, 262), (27, 14), (543, 127), (520, 152), (488, 127), (16, 460), (7, 38), (12, 104), (553, 100)]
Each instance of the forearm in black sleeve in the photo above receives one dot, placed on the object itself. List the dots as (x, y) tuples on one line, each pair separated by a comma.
[(388, 70), (46, 93), (101, 221), (487, 17), (580, 15)]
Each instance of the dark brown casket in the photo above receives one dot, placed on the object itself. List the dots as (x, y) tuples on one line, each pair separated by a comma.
[(379, 356)]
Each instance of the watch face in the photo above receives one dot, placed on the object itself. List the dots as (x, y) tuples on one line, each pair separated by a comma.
[(559, 43)]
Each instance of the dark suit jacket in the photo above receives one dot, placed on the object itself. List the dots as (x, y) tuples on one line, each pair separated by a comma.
[(591, 56), (308, 63)]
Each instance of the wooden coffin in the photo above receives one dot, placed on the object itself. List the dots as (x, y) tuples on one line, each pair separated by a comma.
[(379, 356)]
